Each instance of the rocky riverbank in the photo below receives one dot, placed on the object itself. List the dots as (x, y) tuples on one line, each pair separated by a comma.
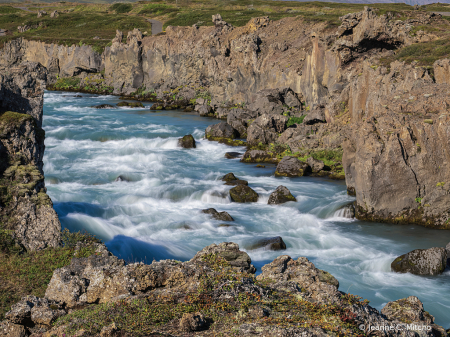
[(326, 96), (216, 292), (26, 212)]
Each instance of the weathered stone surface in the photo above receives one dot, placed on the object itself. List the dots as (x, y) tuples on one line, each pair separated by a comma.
[(54, 14), (31, 311), (223, 216), (193, 322), (8, 329), (280, 196), (188, 142), (230, 252), (229, 177), (258, 156), (265, 129), (315, 164), (243, 193), (275, 243), (27, 210), (430, 261), (292, 167), (407, 310), (221, 130), (315, 283), (315, 116)]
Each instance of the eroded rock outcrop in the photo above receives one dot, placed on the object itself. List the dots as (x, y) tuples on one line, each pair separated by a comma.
[(25, 208)]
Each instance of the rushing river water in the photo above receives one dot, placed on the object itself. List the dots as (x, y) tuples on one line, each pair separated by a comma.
[(156, 214)]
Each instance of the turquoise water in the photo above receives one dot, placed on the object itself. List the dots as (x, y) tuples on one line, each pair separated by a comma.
[(156, 213)]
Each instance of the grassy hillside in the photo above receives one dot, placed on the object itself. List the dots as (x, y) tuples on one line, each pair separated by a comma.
[(79, 23)]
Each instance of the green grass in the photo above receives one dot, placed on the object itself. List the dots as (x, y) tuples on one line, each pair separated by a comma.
[(295, 120), (73, 28), (9, 10), (158, 9), (29, 273), (121, 8)]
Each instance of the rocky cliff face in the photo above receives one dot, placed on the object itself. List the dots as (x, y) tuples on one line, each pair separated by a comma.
[(25, 208), (393, 119)]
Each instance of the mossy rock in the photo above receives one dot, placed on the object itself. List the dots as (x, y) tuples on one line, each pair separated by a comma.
[(243, 193), (187, 142), (131, 104), (280, 196)]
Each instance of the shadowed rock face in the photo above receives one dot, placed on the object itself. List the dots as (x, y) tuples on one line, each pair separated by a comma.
[(25, 207)]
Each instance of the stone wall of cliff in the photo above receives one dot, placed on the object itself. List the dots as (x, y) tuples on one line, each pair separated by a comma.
[(25, 208)]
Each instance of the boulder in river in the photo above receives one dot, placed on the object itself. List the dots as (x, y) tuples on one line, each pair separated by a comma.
[(447, 248), (258, 156), (292, 167), (224, 216), (131, 104), (243, 193), (122, 178), (103, 106), (232, 155), (280, 196), (230, 179), (275, 243), (430, 261), (188, 142)]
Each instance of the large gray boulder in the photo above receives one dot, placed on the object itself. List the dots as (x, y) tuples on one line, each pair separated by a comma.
[(221, 130), (316, 164), (187, 142), (407, 310), (292, 167), (430, 261), (266, 128)]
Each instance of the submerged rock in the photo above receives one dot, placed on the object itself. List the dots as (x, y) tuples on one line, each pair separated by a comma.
[(103, 106), (430, 261), (122, 178), (292, 167), (224, 216), (243, 193), (232, 155), (187, 142), (131, 104), (281, 195), (275, 243), (230, 179), (347, 211)]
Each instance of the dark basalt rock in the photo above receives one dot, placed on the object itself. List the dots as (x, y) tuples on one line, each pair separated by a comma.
[(131, 104), (292, 167), (122, 178), (157, 106), (221, 130), (243, 193), (258, 156), (280, 196), (188, 142), (232, 155), (275, 243), (421, 262), (223, 216), (103, 106), (230, 179)]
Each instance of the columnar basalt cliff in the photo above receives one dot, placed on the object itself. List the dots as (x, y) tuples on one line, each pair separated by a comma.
[(293, 87), (25, 208)]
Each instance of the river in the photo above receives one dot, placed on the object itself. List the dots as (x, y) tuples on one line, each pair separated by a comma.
[(155, 212)]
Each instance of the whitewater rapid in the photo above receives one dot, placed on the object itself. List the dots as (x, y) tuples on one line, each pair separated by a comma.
[(155, 211)]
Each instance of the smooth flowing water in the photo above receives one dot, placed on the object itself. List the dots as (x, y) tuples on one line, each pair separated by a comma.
[(155, 212)]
